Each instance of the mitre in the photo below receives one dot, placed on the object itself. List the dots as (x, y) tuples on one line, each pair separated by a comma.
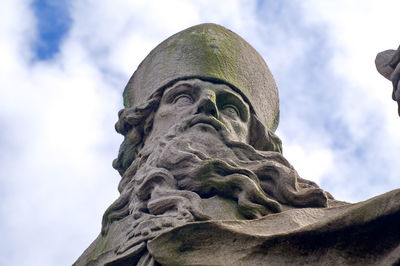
[(213, 53)]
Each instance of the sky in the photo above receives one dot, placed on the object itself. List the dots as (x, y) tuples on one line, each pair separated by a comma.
[(64, 65)]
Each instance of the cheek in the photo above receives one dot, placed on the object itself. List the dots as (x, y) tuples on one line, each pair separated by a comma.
[(238, 128), (241, 129), (163, 118), (167, 117)]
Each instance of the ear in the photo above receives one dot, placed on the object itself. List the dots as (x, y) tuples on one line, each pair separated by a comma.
[(261, 138)]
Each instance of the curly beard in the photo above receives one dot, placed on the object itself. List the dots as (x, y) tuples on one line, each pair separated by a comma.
[(184, 175)]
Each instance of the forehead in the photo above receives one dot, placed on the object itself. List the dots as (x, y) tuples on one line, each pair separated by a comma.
[(205, 85)]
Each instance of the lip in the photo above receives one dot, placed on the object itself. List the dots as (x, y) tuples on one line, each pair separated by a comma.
[(207, 120)]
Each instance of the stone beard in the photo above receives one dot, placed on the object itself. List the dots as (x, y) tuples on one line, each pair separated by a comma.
[(197, 164)]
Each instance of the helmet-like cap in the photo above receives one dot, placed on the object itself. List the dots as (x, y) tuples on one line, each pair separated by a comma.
[(213, 53)]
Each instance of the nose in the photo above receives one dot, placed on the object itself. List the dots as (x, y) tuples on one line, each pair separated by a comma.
[(207, 104)]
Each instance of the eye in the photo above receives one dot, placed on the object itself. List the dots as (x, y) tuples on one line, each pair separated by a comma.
[(231, 111), (183, 99)]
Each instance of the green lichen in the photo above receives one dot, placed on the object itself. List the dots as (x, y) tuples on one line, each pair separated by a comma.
[(100, 247), (213, 53)]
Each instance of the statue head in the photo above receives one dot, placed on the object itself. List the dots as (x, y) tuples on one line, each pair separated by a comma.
[(215, 57), (198, 122)]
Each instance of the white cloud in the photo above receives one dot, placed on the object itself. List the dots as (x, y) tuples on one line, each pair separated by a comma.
[(308, 158)]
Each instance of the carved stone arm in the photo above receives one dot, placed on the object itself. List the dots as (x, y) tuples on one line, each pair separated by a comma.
[(387, 64)]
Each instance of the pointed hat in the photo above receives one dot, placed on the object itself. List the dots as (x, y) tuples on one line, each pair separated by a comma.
[(213, 53)]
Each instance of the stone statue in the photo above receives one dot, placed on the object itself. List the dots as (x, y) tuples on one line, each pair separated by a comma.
[(204, 181), (387, 63)]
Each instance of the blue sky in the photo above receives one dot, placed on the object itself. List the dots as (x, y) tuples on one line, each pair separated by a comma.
[(65, 64), (53, 23)]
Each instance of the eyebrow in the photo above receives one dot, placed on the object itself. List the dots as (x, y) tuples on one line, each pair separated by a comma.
[(178, 87)]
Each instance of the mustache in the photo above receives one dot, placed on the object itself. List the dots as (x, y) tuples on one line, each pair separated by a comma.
[(204, 119)]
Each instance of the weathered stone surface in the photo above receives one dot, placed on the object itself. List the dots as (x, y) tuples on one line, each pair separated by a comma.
[(204, 181), (365, 233)]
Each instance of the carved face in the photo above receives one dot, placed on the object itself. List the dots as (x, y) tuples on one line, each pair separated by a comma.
[(203, 107)]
